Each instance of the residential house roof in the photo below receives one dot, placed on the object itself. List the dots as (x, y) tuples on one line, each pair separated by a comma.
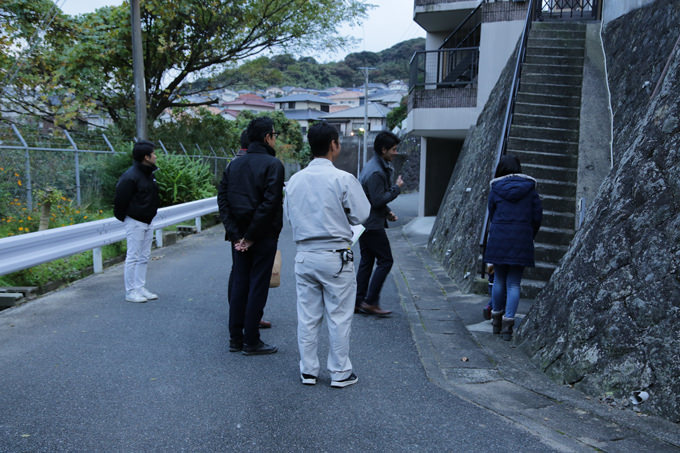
[(303, 114), (346, 95), (302, 98), (339, 107), (250, 99), (374, 111), (387, 97), (230, 113)]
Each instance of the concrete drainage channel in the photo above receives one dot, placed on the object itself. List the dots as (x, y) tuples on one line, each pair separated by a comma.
[(12, 296)]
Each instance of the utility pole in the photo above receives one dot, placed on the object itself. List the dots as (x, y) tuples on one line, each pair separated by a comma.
[(138, 70), (366, 69)]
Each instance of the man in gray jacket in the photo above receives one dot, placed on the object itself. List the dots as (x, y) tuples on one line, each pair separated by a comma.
[(322, 202), (376, 180)]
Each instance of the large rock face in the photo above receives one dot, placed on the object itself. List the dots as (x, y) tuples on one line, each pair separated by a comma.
[(609, 319), (456, 231)]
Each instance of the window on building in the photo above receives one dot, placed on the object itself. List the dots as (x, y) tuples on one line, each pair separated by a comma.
[(325, 108), (291, 105), (304, 129)]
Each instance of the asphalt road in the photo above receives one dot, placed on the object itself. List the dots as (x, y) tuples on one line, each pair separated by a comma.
[(82, 370)]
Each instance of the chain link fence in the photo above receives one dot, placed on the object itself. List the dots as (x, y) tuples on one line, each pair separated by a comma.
[(34, 158)]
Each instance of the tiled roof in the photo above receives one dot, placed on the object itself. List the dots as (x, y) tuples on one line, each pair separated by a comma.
[(303, 114), (374, 111), (302, 98)]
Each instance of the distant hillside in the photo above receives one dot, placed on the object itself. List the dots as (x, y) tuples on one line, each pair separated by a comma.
[(285, 70)]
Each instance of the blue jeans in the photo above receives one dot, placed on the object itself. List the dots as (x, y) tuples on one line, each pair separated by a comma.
[(505, 293)]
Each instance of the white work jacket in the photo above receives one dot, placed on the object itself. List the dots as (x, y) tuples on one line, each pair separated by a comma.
[(322, 202)]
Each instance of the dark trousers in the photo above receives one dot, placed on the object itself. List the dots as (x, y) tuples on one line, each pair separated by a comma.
[(374, 246), (248, 289)]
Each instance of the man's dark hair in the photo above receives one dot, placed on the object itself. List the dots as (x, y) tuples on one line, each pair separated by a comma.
[(320, 137), (244, 139), (508, 165), (384, 141), (259, 128), (142, 148)]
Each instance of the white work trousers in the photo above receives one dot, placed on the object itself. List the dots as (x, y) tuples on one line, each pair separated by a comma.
[(320, 292), (139, 236)]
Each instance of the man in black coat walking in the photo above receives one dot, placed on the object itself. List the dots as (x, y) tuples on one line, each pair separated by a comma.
[(376, 180), (251, 207)]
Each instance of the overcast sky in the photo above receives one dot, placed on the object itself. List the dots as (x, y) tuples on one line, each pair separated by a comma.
[(390, 22)]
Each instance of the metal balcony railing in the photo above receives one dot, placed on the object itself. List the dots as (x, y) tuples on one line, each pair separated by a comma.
[(444, 68), (434, 2), (444, 78), (569, 9)]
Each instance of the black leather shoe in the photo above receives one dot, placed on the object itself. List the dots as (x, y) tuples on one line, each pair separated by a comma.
[(235, 346), (259, 349)]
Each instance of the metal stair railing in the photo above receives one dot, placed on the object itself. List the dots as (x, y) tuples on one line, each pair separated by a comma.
[(458, 54), (507, 121), (474, 20)]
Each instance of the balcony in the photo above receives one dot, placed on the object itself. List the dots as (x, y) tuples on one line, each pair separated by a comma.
[(444, 78), (438, 16)]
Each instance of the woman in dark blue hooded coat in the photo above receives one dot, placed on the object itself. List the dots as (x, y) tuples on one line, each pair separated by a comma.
[(515, 214)]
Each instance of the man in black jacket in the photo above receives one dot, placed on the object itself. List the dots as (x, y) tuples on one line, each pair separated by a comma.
[(136, 203), (376, 180), (221, 202), (251, 205)]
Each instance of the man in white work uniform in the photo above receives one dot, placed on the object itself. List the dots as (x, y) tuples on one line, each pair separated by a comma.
[(322, 203)]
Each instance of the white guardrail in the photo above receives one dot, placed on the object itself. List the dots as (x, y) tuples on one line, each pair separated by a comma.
[(28, 250)]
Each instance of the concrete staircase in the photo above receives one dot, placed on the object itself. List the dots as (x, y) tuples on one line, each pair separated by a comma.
[(545, 133)]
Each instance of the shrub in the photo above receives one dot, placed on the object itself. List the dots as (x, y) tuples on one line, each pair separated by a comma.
[(111, 170), (182, 179)]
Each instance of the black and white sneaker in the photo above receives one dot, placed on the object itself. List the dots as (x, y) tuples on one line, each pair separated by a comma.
[(352, 379), (308, 379)]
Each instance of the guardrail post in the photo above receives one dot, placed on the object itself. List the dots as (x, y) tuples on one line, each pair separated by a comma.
[(97, 262), (183, 149), (159, 238), (68, 136), (198, 224), (29, 191), (160, 142)]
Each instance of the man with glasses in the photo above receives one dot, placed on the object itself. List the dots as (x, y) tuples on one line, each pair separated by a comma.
[(251, 195)]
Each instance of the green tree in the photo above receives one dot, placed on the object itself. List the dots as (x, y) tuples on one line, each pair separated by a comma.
[(34, 37), (212, 133), (181, 40), (289, 144), (398, 114)]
